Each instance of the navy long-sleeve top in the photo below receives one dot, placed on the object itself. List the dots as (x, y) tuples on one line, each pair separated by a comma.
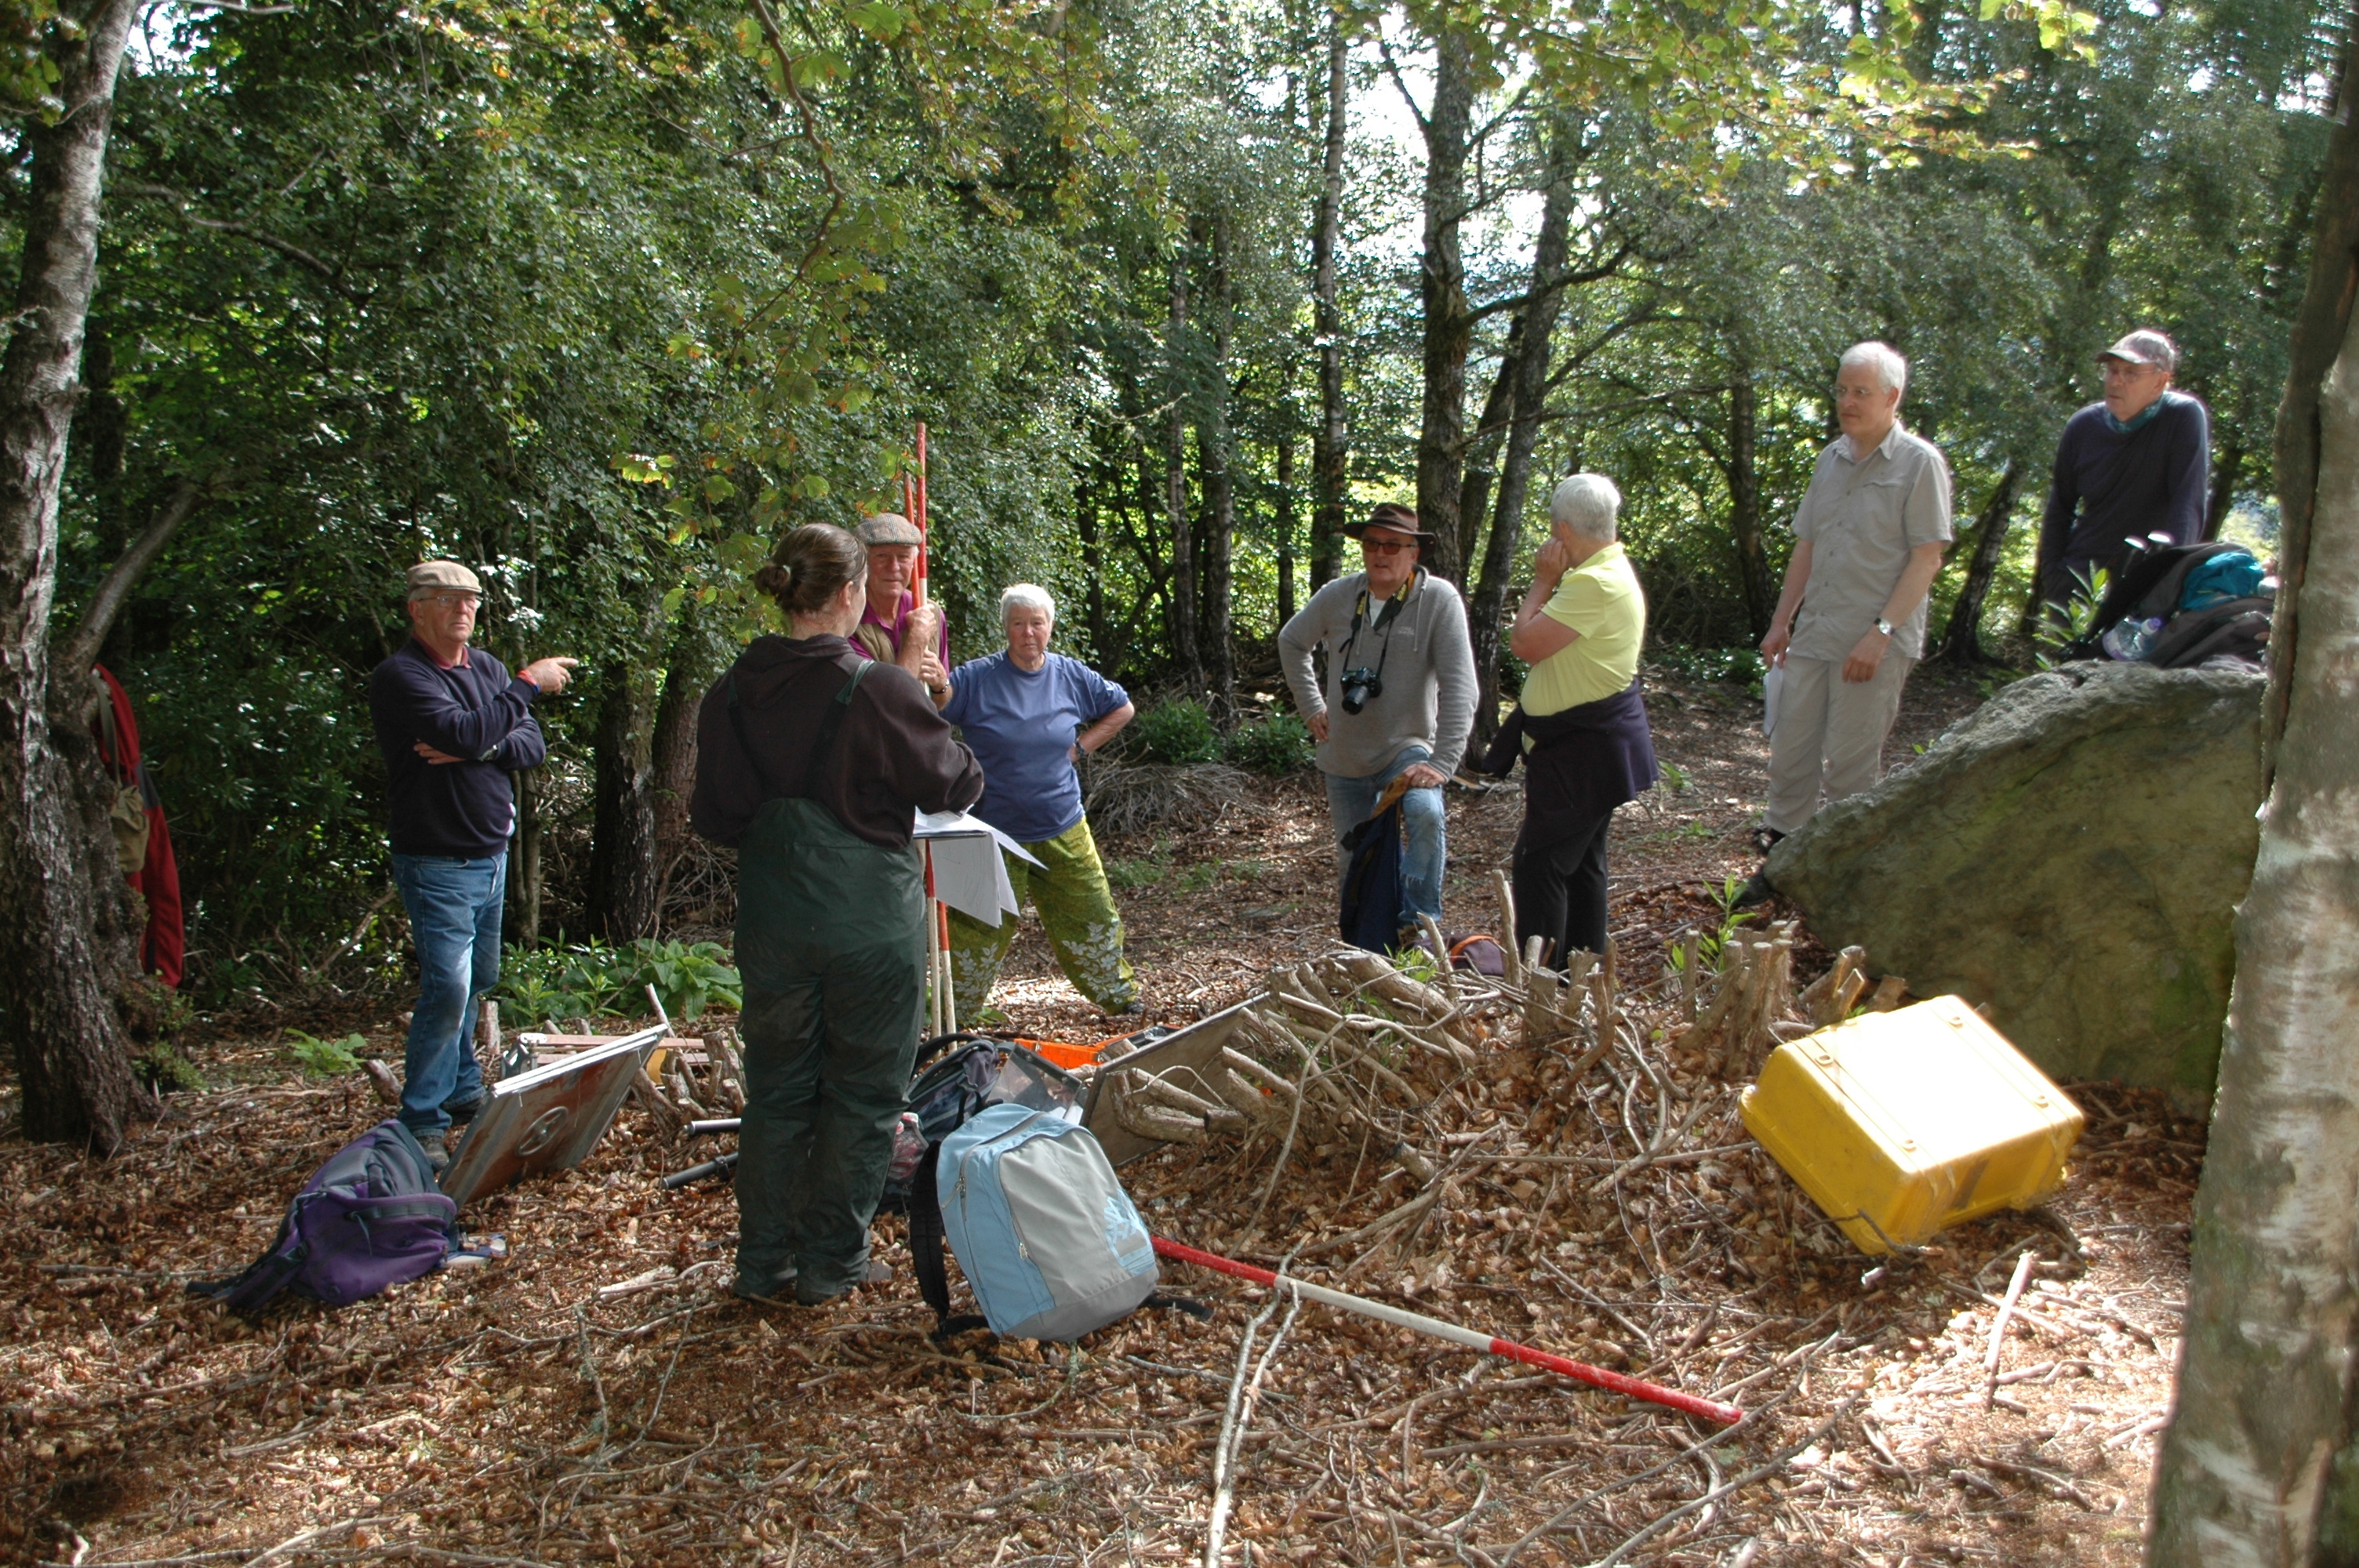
[(2112, 486), (476, 712)]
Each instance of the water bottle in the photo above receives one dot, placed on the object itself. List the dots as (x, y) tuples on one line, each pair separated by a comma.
[(908, 1148), (2130, 641)]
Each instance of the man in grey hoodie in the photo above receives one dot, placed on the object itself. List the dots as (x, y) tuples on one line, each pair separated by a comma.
[(1399, 696)]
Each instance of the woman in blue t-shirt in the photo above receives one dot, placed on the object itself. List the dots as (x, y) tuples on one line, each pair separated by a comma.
[(1029, 715)]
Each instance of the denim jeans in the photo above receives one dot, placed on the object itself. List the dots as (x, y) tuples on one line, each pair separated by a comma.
[(455, 921), (1349, 802)]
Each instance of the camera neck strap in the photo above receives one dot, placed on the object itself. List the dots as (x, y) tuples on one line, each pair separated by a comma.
[(1383, 626)]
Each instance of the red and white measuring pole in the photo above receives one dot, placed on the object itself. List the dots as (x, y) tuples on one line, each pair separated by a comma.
[(1596, 1377), (944, 1010)]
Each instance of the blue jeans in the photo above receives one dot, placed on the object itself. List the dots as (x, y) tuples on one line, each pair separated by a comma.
[(455, 920), (1349, 802)]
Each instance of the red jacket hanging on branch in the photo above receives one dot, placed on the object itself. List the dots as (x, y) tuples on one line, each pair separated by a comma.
[(157, 878)]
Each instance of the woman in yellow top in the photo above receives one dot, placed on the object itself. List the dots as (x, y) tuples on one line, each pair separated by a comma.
[(1581, 728)]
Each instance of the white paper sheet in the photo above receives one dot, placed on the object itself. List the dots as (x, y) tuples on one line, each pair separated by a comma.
[(969, 873)]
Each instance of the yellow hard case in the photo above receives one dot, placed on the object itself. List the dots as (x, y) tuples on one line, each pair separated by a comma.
[(1898, 1124)]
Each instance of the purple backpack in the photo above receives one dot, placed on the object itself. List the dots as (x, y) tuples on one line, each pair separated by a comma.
[(370, 1217)]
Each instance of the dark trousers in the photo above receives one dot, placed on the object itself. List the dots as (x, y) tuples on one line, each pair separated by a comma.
[(1560, 891)]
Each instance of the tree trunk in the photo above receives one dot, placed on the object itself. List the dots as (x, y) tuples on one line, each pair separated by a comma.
[(1441, 288), (687, 670), (1094, 600), (1328, 455), (1220, 495), (525, 882), (1283, 522), (2226, 464), (623, 869), (1186, 653), (1486, 613), (65, 927), (1744, 493), (1962, 640), (2260, 1464), (1483, 442)]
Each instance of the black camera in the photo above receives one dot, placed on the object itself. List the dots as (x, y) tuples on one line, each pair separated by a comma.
[(1359, 685)]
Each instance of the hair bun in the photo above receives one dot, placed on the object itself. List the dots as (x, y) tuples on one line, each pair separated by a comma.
[(773, 579)]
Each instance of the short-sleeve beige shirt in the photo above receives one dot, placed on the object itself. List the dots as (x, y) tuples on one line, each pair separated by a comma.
[(1863, 517)]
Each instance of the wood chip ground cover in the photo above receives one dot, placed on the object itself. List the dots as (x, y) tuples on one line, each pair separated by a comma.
[(526, 1413)]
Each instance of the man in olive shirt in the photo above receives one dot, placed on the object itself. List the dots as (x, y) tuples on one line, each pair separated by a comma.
[(1867, 545)]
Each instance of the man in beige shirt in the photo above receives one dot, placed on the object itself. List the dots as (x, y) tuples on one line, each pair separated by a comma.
[(1868, 538)]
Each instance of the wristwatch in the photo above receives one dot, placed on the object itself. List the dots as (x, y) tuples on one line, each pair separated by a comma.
[(1884, 626)]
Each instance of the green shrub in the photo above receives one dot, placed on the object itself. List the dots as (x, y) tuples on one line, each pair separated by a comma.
[(590, 979), (324, 1058), (163, 1069), (1278, 746), (1179, 732)]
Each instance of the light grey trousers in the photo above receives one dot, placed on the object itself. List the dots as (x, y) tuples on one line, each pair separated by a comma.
[(1830, 735)]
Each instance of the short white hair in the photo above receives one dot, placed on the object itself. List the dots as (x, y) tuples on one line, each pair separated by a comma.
[(1891, 367), (1587, 504), (1027, 596)]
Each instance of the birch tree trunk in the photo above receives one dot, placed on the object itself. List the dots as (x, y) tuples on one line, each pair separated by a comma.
[(65, 934), (2261, 1465)]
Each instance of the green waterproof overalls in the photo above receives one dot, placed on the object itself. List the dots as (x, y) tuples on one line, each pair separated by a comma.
[(831, 943)]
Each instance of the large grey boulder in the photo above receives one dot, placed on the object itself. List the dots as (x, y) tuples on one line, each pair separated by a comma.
[(2071, 855)]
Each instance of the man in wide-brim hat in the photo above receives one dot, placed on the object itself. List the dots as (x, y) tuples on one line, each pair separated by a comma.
[(1398, 701)]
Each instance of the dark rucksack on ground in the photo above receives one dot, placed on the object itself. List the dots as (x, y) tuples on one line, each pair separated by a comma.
[(1369, 916), (369, 1218), (2172, 583)]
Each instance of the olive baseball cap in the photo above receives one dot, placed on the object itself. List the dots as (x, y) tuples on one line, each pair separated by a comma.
[(888, 529), (432, 576)]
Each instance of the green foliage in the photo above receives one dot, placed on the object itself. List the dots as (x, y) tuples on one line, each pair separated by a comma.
[(1142, 871), (1674, 778), (1712, 942), (593, 979), (1279, 746), (1741, 666), (1179, 731), (324, 1058), (163, 1069), (2053, 634)]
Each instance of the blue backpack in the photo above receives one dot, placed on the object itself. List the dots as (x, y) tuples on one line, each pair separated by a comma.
[(1047, 1238), (371, 1218)]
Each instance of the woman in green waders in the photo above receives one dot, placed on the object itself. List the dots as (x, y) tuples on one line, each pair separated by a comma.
[(811, 762)]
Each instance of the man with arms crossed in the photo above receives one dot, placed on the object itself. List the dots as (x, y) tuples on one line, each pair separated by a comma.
[(452, 724), (1867, 545)]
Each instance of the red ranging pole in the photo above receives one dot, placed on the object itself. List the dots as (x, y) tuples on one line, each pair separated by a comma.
[(1596, 1377)]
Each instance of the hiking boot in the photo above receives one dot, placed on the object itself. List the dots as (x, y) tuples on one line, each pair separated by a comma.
[(1756, 891), (1765, 838), (1134, 1008), (868, 1276), (775, 1294), (438, 1152), (461, 1112)]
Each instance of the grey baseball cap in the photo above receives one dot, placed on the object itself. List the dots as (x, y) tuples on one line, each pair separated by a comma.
[(2145, 347), (888, 529)]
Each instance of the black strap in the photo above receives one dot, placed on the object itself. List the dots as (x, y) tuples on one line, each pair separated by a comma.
[(820, 750), (925, 1248), (1385, 619)]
